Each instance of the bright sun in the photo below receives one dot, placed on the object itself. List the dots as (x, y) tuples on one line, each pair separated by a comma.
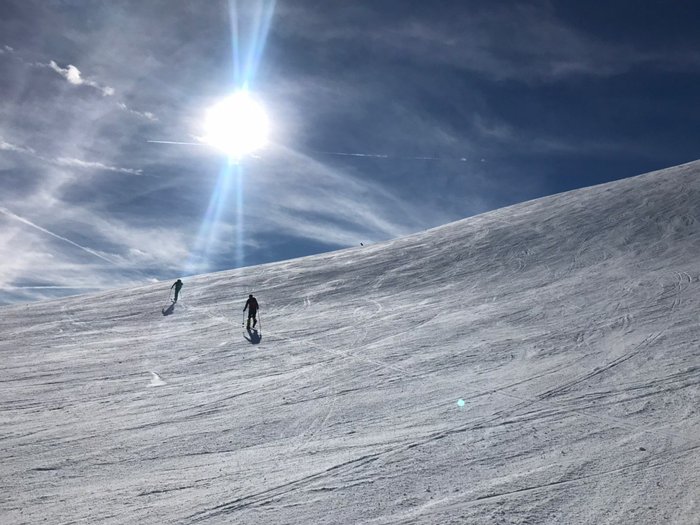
[(237, 125)]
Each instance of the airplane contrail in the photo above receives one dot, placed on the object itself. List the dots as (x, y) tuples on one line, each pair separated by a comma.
[(384, 156), (30, 223), (175, 142), (339, 153)]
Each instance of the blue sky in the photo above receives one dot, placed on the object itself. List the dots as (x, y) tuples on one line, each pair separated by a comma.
[(510, 100)]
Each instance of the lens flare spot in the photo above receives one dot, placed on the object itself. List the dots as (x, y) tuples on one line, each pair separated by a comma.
[(460, 403)]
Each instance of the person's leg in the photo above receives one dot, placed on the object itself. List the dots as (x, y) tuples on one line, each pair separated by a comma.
[(255, 319)]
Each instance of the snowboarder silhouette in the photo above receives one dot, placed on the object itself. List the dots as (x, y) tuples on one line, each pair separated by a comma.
[(252, 305), (177, 285)]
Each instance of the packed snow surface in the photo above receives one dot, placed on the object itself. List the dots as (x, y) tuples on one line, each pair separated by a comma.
[(536, 364)]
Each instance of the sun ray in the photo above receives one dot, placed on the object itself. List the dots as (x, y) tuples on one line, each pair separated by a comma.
[(236, 142)]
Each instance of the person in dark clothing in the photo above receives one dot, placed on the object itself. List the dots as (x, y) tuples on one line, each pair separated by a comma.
[(177, 285), (252, 306)]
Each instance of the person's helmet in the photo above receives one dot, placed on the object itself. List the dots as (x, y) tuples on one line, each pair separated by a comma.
[(250, 296)]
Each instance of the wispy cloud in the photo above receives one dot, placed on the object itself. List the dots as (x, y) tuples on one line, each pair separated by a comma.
[(508, 41), (66, 161), (314, 201), (16, 217), (39, 263), (500, 134), (142, 114), (78, 163), (7, 146), (73, 76)]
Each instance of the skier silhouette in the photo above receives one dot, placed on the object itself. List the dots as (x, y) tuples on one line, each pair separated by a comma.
[(177, 285), (252, 305)]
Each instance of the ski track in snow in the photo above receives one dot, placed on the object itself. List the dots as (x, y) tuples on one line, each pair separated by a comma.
[(569, 325)]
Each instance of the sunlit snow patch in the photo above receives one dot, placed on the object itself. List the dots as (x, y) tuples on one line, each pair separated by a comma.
[(156, 380)]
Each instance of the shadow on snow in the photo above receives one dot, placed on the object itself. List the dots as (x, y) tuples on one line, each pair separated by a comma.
[(253, 336), (169, 310)]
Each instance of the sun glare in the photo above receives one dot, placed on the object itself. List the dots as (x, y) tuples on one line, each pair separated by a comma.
[(237, 125)]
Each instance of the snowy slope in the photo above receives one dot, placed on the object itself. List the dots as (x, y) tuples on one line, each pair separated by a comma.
[(569, 326)]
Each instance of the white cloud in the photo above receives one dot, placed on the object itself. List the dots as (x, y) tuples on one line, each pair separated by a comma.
[(493, 129), (75, 77), (142, 114), (29, 272), (72, 75), (526, 42), (313, 201), (66, 161), (78, 163), (7, 146), (38, 261), (499, 133), (12, 215)]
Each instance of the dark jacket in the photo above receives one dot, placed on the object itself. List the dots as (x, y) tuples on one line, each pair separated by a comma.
[(251, 303)]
